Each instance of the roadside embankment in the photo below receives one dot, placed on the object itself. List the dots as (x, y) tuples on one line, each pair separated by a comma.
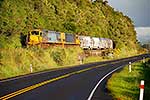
[(14, 62), (124, 85), (18, 61)]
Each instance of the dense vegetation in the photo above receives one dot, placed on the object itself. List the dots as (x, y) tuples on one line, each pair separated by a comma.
[(81, 17), (74, 16)]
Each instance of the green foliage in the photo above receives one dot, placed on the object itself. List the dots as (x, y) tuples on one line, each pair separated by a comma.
[(125, 52), (126, 85), (75, 16), (65, 56), (70, 26), (9, 41), (91, 59), (17, 61), (58, 56), (72, 55)]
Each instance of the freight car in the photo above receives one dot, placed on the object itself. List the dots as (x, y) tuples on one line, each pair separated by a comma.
[(87, 42), (50, 38)]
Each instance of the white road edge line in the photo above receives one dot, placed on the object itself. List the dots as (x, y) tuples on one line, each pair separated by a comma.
[(92, 93)]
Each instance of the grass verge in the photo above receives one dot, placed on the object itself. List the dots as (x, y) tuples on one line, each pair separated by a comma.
[(14, 62), (125, 86)]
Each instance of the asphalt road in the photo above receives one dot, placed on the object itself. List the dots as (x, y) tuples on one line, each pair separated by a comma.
[(84, 82)]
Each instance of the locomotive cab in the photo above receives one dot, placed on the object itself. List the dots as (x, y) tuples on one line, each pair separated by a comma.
[(34, 37)]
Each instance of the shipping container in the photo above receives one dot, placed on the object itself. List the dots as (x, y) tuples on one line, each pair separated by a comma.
[(85, 42), (95, 43), (110, 44), (102, 43), (107, 43)]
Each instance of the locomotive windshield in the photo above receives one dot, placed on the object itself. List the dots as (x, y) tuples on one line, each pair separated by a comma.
[(35, 32)]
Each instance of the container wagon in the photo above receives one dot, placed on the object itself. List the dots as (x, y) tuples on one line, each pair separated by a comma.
[(85, 42)]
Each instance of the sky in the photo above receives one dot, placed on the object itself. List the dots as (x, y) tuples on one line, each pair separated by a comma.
[(143, 34), (137, 10)]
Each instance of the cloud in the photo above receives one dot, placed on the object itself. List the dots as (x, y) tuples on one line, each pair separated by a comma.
[(143, 34), (137, 10)]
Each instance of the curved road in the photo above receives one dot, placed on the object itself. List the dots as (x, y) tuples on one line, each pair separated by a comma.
[(84, 82)]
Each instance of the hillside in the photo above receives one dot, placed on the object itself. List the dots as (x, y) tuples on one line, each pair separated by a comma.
[(76, 16), (81, 17)]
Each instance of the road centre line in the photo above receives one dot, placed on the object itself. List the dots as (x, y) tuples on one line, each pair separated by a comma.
[(21, 91)]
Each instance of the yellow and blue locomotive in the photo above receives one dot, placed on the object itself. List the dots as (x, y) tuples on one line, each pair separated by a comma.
[(50, 38)]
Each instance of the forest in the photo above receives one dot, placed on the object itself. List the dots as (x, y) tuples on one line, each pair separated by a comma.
[(82, 17)]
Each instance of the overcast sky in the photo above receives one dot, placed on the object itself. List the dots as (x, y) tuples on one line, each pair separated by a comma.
[(143, 34), (137, 10)]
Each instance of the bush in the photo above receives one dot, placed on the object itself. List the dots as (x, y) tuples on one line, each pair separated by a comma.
[(59, 56)]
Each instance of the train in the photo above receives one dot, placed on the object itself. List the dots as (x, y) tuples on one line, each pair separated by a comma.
[(48, 38)]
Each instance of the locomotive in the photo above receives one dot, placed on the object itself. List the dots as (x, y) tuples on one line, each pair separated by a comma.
[(48, 38), (51, 38)]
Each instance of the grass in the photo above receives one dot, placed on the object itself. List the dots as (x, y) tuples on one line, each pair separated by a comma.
[(91, 59), (14, 62), (125, 52), (125, 86)]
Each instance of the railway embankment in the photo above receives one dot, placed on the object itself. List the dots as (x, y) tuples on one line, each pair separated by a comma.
[(20, 61), (14, 62)]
